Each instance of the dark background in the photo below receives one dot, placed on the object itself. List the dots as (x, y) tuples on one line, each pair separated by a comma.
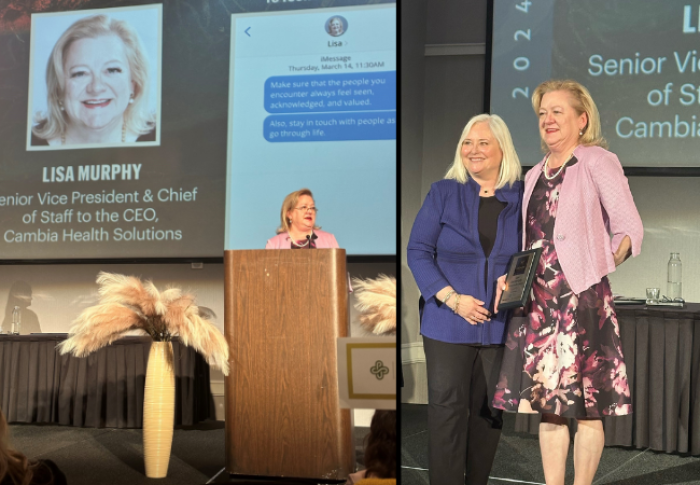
[(192, 151)]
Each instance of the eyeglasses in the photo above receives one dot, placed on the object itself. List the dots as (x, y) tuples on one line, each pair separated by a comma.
[(304, 208)]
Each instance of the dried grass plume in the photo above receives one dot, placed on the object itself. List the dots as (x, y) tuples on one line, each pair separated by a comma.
[(126, 303), (376, 301)]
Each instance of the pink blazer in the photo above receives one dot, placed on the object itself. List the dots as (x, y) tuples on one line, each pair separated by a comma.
[(595, 203), (325, 240)]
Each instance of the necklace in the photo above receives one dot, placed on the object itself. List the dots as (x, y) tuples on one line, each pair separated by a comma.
[(63, 135), (546, 168), (308, 240), (301, 245), (485, 191)]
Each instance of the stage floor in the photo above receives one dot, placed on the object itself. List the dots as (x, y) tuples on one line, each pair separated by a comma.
[(518, 458), (90, 456)]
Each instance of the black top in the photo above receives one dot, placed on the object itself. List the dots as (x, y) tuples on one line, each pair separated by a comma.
[(45, 472), (489, 210), (40, 142)]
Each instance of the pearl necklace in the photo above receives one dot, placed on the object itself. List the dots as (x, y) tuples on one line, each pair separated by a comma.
[(301, 245), (546, 168), (308, 240), (63, 135)]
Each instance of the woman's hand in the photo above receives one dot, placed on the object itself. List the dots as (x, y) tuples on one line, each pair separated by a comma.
[(442, 294), (471, 310), (500, 288), (624, 251)]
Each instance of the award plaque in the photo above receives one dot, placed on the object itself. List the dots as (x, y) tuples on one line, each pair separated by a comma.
[(521, 272)]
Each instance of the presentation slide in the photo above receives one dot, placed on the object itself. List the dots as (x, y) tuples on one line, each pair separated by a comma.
[(114, 125), (639, 59), (313, 105), (96, 85)]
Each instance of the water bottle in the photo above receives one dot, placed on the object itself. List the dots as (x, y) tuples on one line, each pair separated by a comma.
[(674, 286), (16, 320)]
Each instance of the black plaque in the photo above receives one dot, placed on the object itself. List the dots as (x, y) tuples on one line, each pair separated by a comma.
[(521, 272)]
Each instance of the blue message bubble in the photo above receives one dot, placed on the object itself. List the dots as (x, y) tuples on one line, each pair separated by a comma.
[(362, 91), (378, 125)]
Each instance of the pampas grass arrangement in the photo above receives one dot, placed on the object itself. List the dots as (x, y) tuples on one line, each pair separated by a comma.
[(376, 301), (126, 303)]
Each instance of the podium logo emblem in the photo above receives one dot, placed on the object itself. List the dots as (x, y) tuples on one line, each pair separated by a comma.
[(379, 370)]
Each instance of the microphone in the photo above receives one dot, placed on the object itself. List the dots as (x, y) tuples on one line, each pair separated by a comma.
[(308, 240)]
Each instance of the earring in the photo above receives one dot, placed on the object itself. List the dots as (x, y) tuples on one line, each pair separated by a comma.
[(580, 133), (60, 106), (131, 98)]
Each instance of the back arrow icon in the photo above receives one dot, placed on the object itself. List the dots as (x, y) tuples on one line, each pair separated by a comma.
[(246, 31)]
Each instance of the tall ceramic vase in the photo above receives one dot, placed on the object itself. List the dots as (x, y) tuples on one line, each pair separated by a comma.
[(158, 409)]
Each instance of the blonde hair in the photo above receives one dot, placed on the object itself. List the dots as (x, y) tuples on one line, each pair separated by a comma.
[(289, 202), (13, 464), (339, 19), (582, 102), (510, 165), (54, 122)]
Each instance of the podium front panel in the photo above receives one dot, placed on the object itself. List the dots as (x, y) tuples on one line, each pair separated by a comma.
[(284, 310)]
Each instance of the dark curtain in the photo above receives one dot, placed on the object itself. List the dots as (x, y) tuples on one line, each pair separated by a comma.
[(105, 389)]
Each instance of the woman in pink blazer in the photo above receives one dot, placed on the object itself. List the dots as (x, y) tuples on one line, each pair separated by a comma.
[(298, 229), (565, 359)]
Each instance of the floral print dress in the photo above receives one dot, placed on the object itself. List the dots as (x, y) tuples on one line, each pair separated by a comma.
[(565, 357)]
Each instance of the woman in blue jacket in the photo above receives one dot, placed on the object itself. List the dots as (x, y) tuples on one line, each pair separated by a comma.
[(461, 242)]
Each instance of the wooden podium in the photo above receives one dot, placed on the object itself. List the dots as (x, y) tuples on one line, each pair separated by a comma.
[(284, 310)]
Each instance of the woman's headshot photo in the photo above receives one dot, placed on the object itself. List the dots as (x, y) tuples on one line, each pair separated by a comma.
[(95, 79), (336, 25)]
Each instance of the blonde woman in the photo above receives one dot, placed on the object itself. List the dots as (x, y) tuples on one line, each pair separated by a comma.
[(298, 229), (461, 241), (569, 364), (96, 79)]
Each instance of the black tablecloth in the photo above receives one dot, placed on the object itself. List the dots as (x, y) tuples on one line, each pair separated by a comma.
[(105, 389), (662, 353)]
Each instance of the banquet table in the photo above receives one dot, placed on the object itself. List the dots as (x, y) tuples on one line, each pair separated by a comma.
[(104, 389), (661, 346)]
